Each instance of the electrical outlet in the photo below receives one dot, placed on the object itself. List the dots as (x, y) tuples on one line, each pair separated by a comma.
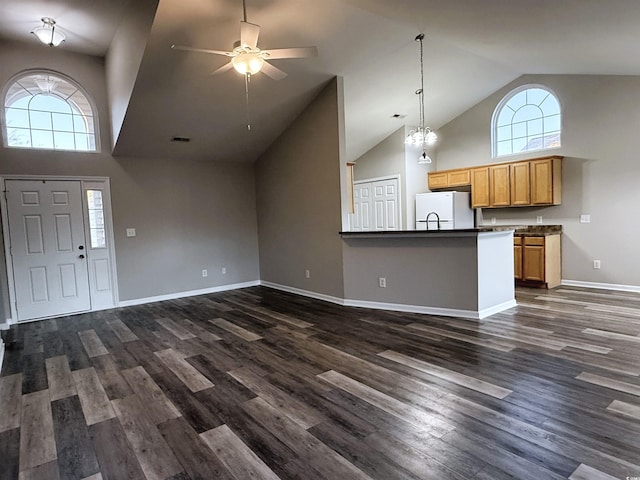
[(539, 219), (307, 274), (493, 220), (224, 270), (382, 281), (585, 218), (131, 232), (205, 273), (596, 264)]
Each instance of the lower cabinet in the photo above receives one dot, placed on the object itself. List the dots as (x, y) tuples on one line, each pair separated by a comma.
[(537, 260)]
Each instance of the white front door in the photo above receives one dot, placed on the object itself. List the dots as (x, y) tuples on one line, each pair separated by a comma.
[(48, 249)]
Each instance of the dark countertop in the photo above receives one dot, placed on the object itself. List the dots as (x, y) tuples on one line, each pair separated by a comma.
[(526, 230), (519, 231), (462, 232)]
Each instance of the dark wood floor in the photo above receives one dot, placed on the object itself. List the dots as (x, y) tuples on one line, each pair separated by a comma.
[(261, 384)]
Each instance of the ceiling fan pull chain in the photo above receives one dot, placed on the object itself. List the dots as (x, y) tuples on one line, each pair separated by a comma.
[(247, 79)]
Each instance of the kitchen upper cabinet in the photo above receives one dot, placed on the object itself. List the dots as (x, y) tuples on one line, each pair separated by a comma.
[(516, 184), (460, 177), (520, 184), (537, 260), (480, 187), (499, 186), (546, 186), (437, 180)]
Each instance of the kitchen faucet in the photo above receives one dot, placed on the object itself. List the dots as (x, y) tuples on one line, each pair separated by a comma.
[(437, 219)]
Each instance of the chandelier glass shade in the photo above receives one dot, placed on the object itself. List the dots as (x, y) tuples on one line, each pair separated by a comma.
[(48, 33), (422, 136)]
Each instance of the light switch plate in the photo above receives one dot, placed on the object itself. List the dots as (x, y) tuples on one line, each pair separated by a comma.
[(131, 232), (585, 218)]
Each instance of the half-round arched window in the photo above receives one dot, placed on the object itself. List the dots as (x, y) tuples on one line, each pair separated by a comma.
[(528, 118), (46, 110)]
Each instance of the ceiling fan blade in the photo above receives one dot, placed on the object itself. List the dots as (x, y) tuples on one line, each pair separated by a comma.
[(201, 50), (249, 34), (224, 68), (298, 52), (272, 71)]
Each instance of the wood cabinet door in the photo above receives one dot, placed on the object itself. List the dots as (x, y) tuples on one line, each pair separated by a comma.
[(533, 263), (520, 184), (499, 190), (437, 180), (517, 262), (459, 178), (542, 181), (480, 187)]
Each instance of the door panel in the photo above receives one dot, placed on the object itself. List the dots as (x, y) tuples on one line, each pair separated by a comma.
[(46, 231), (376, 206)]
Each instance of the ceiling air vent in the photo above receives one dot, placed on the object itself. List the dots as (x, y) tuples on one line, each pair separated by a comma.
[(180, 139), (397, 115)]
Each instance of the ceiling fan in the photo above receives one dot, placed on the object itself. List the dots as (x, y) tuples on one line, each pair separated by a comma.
[(247, 58)]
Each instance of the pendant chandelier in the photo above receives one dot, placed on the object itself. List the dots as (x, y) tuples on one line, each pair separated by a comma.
[(423, 136)]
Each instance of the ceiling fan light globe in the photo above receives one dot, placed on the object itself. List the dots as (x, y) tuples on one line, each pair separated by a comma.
[(247, 63)]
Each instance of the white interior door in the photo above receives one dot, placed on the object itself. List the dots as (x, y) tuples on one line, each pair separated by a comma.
[(376, 205), (48, 249), (385, 201)]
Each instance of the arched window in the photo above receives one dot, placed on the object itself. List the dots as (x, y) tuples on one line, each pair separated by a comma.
[(527, 119), (46, 110)]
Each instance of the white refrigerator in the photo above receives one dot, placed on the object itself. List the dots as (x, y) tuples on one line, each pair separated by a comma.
[(443, 211)]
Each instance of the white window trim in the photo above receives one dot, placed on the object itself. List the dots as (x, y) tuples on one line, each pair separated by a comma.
[(36, 71), (503, 102)]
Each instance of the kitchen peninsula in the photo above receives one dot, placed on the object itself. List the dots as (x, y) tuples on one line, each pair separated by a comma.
[(462, 273)]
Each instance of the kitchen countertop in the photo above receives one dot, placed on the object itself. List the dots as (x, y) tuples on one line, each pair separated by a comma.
[(526, 230), (519, 231), (458, 233)]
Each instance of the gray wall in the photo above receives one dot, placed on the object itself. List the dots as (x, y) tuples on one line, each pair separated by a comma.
[(386, 158), (124, 57), (188, 215), (433, 272), (601, 170), (298, 201)]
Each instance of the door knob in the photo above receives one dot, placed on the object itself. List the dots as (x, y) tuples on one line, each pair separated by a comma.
[(80, 257), (81, 247)]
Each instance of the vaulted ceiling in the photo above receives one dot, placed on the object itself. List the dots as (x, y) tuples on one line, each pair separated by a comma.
[(472, 48)]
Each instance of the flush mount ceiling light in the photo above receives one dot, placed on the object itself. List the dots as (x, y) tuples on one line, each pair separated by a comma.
[(48, 33), (422, 136)]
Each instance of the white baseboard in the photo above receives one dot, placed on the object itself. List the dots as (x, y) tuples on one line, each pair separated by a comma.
[(6, 324), (601, 286), (398, 307), (304, 293), (191, 293), (486, 312)]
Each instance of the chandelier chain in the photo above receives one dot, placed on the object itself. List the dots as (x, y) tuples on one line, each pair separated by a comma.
[(422, 119)]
